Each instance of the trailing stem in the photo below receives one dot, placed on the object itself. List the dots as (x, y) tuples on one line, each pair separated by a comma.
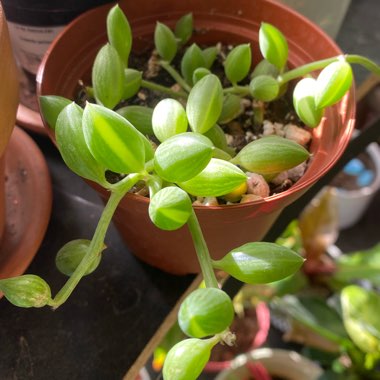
[(202, 251), (97, 242)]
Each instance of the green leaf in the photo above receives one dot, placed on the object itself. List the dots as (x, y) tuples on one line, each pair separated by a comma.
[(182, 156), (315, 314), (191, 60), (205, 312), (260, 263), (264, 87), (218, 178), (271, 155), (26, 291), (113, 140), (238, 63), (209, 55), (73, 147), (361, 310), (165, 42), (232, 108), (205, 103), (218, 138), (108, 78), (170, 208), (132, 83), (265, 68), (273, 45), (304, 102), (140, 117), (332, 83), (168, 119), (359, 265), (184, 28), (51, 106), (119, 33), (71, 254), (199, 73), (186, 360)]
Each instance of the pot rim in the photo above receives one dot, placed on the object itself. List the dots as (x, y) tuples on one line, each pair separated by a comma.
[(346, 108)]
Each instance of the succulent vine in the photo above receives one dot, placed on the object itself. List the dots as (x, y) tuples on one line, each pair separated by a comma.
[(190, 158)]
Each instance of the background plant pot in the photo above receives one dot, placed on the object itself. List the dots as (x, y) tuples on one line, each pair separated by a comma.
[(71, 56), (8, 105), (284, 364), (351, 204)]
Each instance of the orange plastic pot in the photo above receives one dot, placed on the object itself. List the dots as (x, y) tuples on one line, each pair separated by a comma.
[(70, 59)]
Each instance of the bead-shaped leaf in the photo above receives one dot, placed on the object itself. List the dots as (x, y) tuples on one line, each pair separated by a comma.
[(273, 45), (169, 119), (205, 103), (271, 155), (184, 28), (165, 42), (73, 147), (199, 73), (232, 108), (112, 140), (218, 178), (304, 102), (260, 263), (186, 359), (132, 83), (361, 317), (265, 68), (238, 63), (26, 291), (71, 254), (191, 60), (209, 54), (332, 83), (182, 156), (205, 312), (140, 117), (170, 208), (108, 78), (51, 106), (119, 33), (264, 87)]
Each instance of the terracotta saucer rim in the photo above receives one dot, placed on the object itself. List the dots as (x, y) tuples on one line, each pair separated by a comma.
[(30, 119), (21, 241)]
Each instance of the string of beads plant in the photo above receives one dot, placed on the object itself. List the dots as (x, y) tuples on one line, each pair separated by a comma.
[(179, 152)]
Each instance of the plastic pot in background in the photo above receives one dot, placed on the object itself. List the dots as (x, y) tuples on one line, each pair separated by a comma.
[(352, 204), (70, 59), (281, 363)]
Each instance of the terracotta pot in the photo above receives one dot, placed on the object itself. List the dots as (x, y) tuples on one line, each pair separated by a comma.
[(71, 56), (25, 187), (284, 364), (8, 105)]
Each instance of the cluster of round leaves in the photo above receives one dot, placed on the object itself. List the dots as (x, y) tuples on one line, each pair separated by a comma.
[(192, 158)]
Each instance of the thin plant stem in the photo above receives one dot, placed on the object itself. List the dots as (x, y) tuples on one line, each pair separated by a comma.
[(237, 90), (318, 65), (175, 75), (96, 245), (163, 89), (202, 251)]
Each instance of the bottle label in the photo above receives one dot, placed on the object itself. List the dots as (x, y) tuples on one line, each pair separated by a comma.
[(30, 43)]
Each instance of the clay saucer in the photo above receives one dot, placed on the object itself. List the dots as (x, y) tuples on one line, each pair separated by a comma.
[(28, 196), (30, 119)]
